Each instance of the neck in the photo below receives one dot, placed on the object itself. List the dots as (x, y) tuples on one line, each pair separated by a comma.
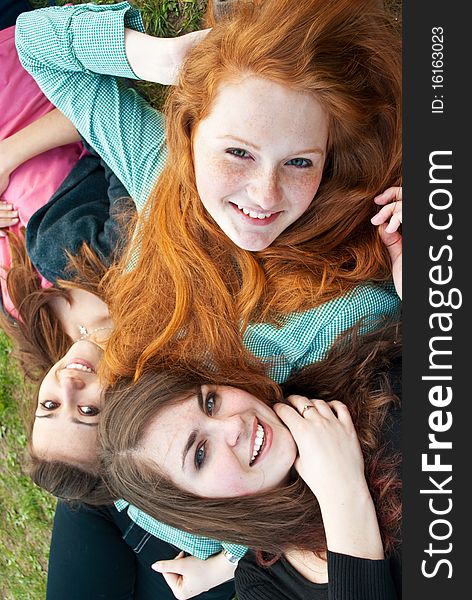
[(84, 317), (308, 564)]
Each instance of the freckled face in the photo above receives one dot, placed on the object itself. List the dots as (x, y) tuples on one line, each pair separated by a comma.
[(223, 442), (259, 158)]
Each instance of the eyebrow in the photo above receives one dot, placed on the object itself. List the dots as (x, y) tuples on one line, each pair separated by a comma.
[(241, 141), (77, 421), (316, 150), (190, 442), (193, 435)]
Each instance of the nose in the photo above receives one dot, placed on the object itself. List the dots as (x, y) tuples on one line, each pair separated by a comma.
[(264, 191), (70, 383), (232, 429)]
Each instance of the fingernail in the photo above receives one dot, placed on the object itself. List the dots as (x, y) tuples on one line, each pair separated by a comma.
[(155, 567)]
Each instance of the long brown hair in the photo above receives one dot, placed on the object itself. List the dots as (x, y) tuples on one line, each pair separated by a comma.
[(193, 290), (39, 341), (356, 372)]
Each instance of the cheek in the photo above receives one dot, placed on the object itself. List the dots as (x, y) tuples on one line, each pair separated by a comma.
[(217, 178), (230, 484), (301, 191)]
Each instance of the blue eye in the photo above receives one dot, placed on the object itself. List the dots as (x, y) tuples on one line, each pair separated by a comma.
[(210, 402), (300, 163), (200, 456), (238, 152)]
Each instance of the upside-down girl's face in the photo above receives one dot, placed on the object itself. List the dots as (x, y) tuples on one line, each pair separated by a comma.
[(68, 409), (221, 442), (259, 158)]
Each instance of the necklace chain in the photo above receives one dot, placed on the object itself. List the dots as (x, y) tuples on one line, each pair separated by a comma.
[(85, 333)]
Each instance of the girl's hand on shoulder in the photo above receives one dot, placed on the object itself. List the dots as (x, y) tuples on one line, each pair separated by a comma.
[(389, 220), (330, 459), (8, 216)]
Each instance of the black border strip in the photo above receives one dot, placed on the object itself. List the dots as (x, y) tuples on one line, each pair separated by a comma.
[(437, 236)]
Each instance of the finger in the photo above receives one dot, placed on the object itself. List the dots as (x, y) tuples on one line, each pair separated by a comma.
[(392, 194), (394, 223), (385, 213), (289, 416), (302, 404), (323, 409), (393, 241), (341, 411), (173, 565), (8, 222), (5, 205)]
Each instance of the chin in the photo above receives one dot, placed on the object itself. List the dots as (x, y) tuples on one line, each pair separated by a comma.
[(252, 245)]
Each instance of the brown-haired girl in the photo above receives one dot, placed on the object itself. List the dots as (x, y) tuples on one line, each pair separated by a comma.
[(284, 126), (215, 460)]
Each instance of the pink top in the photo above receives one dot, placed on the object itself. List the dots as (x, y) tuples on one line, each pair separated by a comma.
[(34, 182)]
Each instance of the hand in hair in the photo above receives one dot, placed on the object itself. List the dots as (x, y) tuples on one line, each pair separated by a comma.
[(8, 215), (330, 461), (389, 220), (188, 576)]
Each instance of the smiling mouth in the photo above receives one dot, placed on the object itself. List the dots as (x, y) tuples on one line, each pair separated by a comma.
[(259, 443), (255, 217), (78, 364)]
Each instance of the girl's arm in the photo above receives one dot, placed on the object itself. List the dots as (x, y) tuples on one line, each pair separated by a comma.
[(49, 131), (330, 462), (159, 59)]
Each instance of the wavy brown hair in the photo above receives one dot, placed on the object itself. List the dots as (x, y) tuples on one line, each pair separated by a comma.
[(193, 290), (39, 341), (357, 371)]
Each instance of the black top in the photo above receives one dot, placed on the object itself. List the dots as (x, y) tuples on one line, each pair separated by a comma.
[(349, 578), (85, 208)]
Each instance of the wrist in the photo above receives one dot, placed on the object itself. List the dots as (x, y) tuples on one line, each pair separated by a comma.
[(9, 159)]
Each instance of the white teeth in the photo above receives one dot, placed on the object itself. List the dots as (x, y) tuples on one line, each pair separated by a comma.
[(253, 214), (79, 367), (258, 441)]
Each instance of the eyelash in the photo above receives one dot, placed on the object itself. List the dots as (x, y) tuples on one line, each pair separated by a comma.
[(237, 153), (307, 162), (86, 411), (92, 411), (46, 402), (200, 453)]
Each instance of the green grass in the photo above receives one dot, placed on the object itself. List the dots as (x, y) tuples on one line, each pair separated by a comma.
[(25, 510)]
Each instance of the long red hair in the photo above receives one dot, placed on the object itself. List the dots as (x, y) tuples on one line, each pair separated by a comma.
[(192, 290)]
